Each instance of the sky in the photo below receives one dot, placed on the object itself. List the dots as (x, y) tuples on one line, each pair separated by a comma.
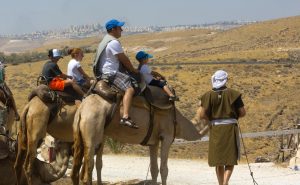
[(25, 16)]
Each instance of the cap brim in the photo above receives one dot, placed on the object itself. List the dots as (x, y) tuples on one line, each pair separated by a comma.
[(150, 56), (121, 24), (58, 57)]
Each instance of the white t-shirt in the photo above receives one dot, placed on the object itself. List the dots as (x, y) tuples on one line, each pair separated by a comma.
[(109, 63), (146, 72), (73, 70)]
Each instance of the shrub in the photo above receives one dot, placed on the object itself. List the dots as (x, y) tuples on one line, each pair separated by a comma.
[(115, 146)]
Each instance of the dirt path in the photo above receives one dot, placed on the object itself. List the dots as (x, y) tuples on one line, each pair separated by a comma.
[(193, 172)]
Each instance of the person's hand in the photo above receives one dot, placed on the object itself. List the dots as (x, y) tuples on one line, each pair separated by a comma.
[(136, 71)]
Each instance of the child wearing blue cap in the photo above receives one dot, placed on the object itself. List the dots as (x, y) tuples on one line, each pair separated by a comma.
[(151, 77)]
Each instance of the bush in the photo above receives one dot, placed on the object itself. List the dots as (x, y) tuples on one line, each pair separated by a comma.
[(115, 146), (294, 55)]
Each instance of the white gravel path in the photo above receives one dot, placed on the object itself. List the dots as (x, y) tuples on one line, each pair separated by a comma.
[(194, 172)]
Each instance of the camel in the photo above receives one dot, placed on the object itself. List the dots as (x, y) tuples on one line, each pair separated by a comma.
[(38, 119), (90, 132), (7, 131)]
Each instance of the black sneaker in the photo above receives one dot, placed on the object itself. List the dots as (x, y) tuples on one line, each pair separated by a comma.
[(128, 122), (173, 98)]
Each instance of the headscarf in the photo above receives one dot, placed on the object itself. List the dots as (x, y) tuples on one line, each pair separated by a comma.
[(219, 79)]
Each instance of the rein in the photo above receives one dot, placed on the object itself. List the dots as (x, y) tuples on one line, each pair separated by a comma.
[(174, 120), (251, 173)]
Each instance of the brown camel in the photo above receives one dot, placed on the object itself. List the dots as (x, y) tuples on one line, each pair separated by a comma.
[(36, 121), (7, 130), (90, 131)]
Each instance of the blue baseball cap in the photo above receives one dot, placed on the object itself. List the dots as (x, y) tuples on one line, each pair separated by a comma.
[(142, 55), (113, 23)]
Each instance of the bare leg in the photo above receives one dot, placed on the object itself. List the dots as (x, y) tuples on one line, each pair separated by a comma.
[(227, 174), (220, 174), (168, 91), (127, 101), (75, 86), (78, 89)]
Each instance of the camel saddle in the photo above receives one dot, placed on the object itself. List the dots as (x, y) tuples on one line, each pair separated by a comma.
[(49, 96), (152, 95)]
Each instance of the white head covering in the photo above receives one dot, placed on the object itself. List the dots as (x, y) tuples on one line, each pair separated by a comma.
[(219, 79), (1, 65)]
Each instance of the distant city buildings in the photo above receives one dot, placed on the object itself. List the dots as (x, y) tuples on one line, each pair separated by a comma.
[(89, 30)]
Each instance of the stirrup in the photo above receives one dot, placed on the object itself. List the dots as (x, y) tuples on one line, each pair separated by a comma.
[(128, 122)]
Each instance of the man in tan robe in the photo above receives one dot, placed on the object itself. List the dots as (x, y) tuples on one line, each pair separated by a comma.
[(222, 106)]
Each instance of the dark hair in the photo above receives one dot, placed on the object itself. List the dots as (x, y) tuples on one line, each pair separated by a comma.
[(50, 53), (109, 30)]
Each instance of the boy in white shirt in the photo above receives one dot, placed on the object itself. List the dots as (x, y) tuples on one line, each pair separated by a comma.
[(151, 77)]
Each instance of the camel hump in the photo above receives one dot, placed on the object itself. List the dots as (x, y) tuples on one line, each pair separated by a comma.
[(43, 92), (155, 96)]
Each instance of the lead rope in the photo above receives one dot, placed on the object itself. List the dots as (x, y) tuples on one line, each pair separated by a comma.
[(251, 173)]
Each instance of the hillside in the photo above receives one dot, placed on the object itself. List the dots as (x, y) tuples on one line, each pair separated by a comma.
[(261, 41), (266, 40)]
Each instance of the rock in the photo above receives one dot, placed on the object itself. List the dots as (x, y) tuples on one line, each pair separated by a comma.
[(261, 159)]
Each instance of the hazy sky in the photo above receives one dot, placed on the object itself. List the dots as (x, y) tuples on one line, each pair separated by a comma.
[(24, 16)]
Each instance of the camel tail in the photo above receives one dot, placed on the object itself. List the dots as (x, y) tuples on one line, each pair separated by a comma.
[(77, 148), (23, 128)]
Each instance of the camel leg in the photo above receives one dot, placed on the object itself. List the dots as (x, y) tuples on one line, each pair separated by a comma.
[(19, 160), (82, 172), (33, 137), (165, 147), (28, 163), (88, 164), (153, 162), (99, 163), (77, 162)]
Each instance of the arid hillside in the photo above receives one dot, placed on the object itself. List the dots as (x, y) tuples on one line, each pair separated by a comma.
[(270, 91)]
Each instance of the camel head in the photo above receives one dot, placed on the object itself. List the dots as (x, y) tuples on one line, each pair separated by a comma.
[(49, 172), (191, 130)]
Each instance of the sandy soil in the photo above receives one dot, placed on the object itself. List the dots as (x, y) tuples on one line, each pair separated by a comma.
[(120, 169)]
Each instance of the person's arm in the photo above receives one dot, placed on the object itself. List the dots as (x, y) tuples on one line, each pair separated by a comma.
[(64, 76), (126, 62), (203, 113), (242, 112), (83, 73), (239, 105), (157, 75)]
